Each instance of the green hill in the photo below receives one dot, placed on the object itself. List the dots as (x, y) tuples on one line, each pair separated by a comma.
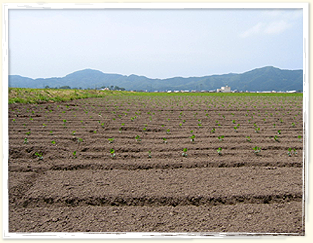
[(260, 79)]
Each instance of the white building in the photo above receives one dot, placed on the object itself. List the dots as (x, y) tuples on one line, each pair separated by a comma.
[(225, 89)]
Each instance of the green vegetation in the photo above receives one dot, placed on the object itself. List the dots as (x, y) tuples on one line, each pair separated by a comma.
[(219, 151), (39, 155), (184, 154), (257, 150), (112, 152), (33, 96)]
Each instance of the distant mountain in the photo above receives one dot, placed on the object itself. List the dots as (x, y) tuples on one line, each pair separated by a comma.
[(260, 79)]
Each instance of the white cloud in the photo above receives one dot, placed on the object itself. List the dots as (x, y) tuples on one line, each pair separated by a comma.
[(256, 29), (276, 27), (274, 22)]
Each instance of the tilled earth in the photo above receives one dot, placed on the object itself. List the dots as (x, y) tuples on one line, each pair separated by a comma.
[(63, 177)]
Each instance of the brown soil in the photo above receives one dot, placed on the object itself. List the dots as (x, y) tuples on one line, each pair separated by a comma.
[(91, 191)]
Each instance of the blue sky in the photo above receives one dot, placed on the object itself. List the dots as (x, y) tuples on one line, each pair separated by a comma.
[(154, 43)]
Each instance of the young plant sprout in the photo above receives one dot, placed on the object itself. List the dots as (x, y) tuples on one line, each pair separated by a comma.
[(279, 132), (164, 140), (289, 152), (220, 137), (112, 152), (138, 139), (295, 151), (73, 133), (248, 138), (53, 142), (219, 151), (184, 154), (236, 127), (257, 130), (257, 150), (39, 155), (168, 131), (111, 140), (276, 138), (213, 130), (74, 154), (25, 140), (192, 138), (299, 137), (149, 154)]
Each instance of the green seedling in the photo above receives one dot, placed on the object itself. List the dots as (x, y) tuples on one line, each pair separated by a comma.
[(184, 154), (112, 152), (138, 139), (51, 132), (79, 140), (257, 130), (299, 137), (73, 133), (192, 138), (28, 133), (248, 138), (293, 124), (13, 120), (213, 130), (220, 137), (235, 128), (25, 140), (74, 154), (257, 150), (44, 125), (295, 151), (39, 155), (276, 138), (111, 140), (274, 125), (279, 132), (149, 154), (219, 151), (120, 130), (168, 131), (164, 140), (234, 121), (53, 142)]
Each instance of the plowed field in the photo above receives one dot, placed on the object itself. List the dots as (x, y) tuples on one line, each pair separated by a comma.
[(116, 164)]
